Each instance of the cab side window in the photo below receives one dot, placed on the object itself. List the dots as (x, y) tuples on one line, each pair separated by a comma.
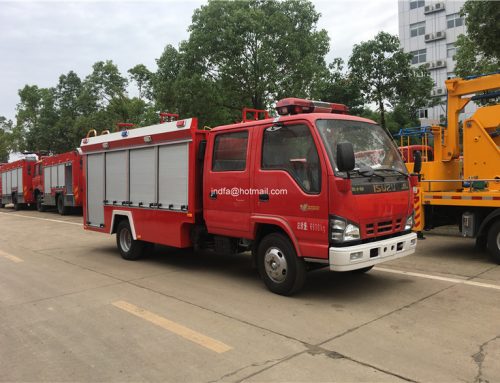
[(230, 152), (292, 149)]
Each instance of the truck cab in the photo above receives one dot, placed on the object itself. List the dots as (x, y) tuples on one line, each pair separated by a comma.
[(283, 184)]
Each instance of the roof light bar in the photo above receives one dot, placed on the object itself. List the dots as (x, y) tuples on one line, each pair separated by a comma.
[(300, 105)]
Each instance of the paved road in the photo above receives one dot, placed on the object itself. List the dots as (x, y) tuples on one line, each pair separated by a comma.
[(72, 310)]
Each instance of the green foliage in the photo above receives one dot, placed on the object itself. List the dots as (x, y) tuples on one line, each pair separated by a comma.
[(5, 138), (143, 78), (341, 87), (385, 77), (478, 52), (483, 26), (250, 53)]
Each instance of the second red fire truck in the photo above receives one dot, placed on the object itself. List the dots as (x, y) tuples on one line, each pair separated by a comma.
[(314, 187), (58, 182)]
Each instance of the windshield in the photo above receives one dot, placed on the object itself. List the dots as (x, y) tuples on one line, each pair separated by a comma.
[(372, 146)]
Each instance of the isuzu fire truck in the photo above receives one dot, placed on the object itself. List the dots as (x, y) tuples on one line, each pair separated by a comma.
[(314, 187), (58, 182), (16, 183)]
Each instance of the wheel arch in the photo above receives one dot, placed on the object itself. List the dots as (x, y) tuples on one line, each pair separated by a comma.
[(263, 227), (118, 216), (489, 220)]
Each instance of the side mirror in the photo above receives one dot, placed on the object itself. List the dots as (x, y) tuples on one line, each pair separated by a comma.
[(417, 162), (345, 156)]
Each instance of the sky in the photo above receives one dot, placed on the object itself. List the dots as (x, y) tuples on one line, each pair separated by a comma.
[(40, 40)]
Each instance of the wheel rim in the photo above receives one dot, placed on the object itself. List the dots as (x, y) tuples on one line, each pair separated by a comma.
[(125, 240), (275, 265), (498, 240)]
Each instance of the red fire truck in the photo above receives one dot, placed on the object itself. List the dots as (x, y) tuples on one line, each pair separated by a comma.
[(290, 190), (57, 182), (17, 183)]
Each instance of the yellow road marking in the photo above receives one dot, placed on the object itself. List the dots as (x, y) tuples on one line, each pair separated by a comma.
[(10, 257), (186, 333), (438, 278)]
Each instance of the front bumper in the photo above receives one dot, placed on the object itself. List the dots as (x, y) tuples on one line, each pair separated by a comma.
[(369, 254)]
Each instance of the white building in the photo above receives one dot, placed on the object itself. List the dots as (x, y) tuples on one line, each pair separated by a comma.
[(429, 30)]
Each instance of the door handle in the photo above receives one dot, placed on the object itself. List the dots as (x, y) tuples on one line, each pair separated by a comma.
[(263, 197), (213, 195)]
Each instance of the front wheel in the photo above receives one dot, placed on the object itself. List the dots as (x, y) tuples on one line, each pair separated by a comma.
[(494, 241), (282, 271), (130, 249)]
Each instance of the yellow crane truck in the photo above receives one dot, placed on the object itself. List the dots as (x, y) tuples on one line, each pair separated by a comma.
[(461, 184)]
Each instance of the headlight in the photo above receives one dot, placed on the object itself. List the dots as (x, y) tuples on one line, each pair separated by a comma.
[(343, 231), (409, 223)]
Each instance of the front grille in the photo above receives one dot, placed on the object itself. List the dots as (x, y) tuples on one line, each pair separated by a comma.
[(375, 229)]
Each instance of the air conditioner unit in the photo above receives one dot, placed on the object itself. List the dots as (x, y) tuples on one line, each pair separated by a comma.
[(426, 65), (433, 93), (428, 8), (429, 36), (439, 91), (440, 35), (439, 6), (440, 63)]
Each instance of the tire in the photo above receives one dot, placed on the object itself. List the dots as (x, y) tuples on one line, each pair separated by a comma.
[(282, 271), (39, 204), (17, 206), (481, 242), (362, 270), (130, 249), (494, 241), (61, 208)]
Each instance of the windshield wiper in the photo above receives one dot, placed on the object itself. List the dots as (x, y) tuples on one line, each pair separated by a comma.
[(368, 172)]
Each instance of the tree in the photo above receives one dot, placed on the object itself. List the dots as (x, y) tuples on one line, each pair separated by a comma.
[(251, 53), (384, 74), (478, 52), (341, 87), (5, 138), (143, 78), (164, 80)]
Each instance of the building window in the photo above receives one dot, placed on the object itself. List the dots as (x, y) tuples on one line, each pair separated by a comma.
[(418, 56), (422, 113), (416, 4), (454, 20), (417, 29), (451, 50)]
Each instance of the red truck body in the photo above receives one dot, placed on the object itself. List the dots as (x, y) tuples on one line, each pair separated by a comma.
[(58, 182), (270, 186), (16, 184)]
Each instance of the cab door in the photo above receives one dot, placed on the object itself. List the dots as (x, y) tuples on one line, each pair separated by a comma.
[(291, 177), (226, 183)]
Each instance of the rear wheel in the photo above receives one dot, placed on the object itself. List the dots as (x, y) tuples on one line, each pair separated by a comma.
[(282, 271), (17, 205), (130, 249), (61, 207), (494, 241), (39, 203)]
